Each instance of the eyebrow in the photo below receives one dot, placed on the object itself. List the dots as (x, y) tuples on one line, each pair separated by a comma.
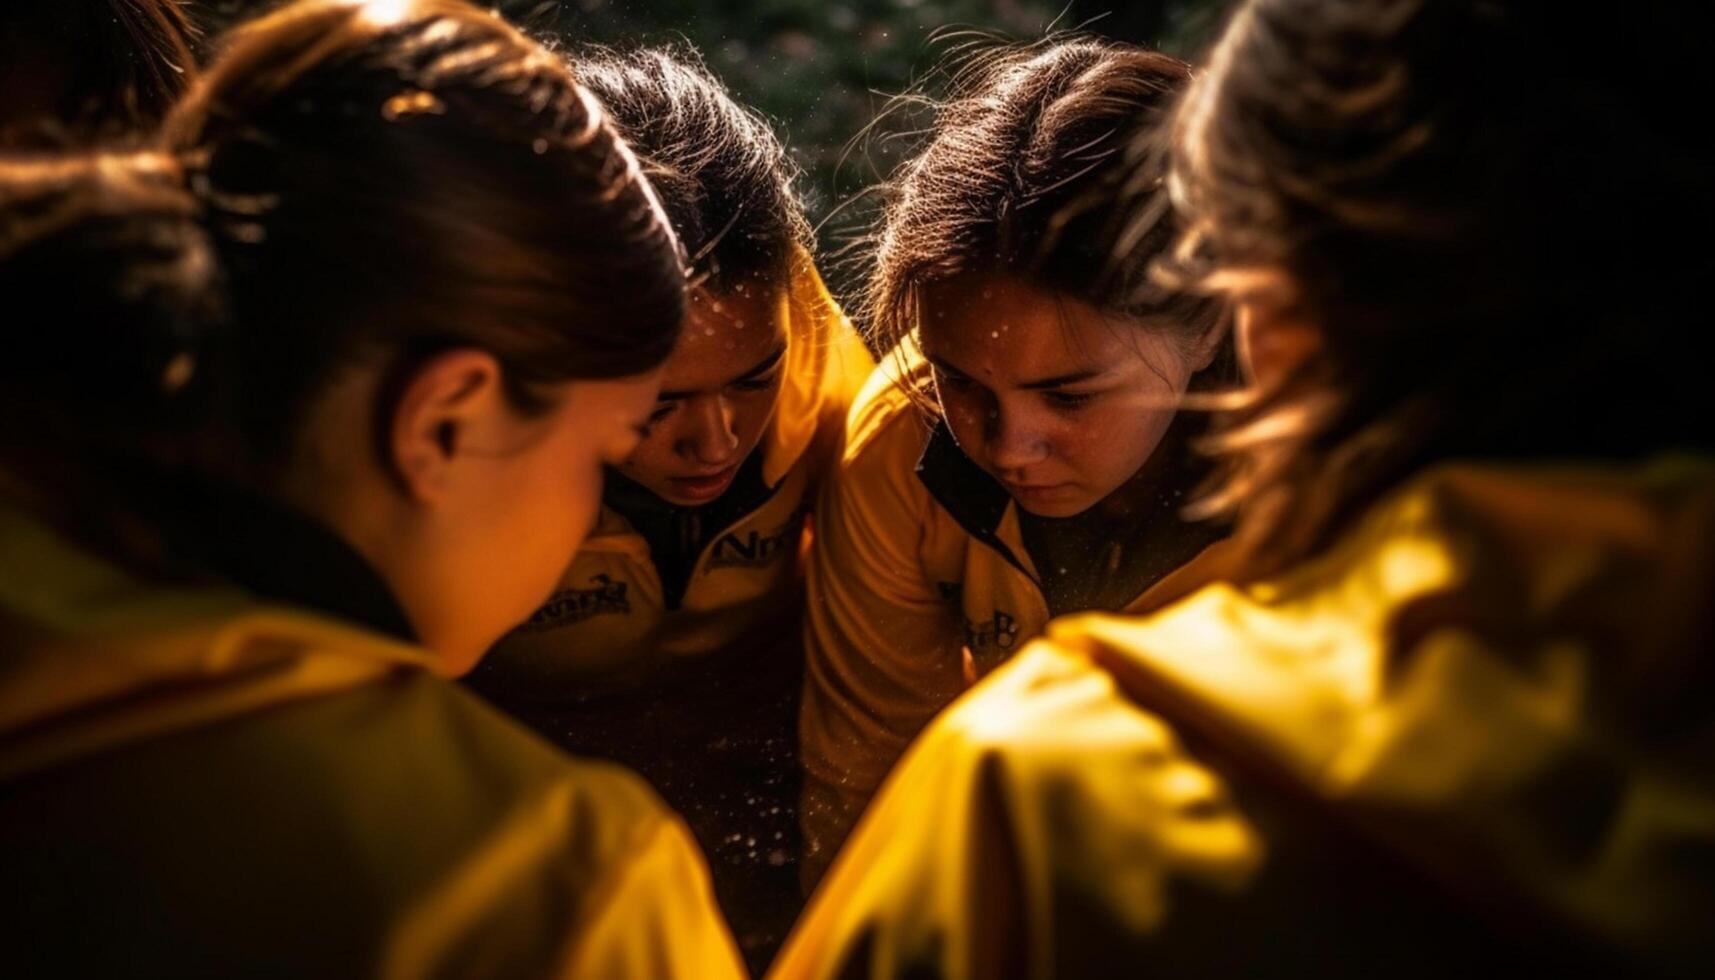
[(1041, 384), (762, 367), (1062, 380)]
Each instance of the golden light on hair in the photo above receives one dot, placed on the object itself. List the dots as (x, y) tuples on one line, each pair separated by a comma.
[(385, 11), (412, 103)]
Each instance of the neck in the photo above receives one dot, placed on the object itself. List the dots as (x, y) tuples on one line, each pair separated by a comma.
[(338, 482)]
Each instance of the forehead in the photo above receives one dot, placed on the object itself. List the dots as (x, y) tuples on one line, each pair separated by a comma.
[(1008, 331), (726, 333)]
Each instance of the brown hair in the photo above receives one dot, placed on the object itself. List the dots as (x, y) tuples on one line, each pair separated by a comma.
[(1028, 141), (377, 182), (78, 69), (1474, 213), (720, 170), (109, 280), (400, 178)]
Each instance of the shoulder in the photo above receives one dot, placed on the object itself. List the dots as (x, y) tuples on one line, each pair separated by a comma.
[(886, 425), (1055, 717), (516, 790), (1042, 781), (401, 822)]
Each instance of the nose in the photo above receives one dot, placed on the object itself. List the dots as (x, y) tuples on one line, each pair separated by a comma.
[(1015, 439), (710, 439)]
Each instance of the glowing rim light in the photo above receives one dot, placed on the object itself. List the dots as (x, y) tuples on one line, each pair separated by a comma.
[(384, 11)]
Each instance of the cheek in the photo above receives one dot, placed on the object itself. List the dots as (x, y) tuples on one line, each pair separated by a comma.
[(969, 434), (1116, 444), (571, 480), (966, 415), (584, 499), (754, 411), (1087, 448), (654, 452)]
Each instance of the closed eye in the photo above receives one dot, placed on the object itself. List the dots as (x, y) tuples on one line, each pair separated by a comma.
[(1069, 399), (763, 383)]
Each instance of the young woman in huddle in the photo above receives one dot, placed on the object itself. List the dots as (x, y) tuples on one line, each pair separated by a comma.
[(1453, 713), (671, 641), (1019, 453), (696, 551), (292, 433)]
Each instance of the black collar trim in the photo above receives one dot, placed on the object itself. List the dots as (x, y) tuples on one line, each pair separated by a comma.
[(278, 554), (974, 499)]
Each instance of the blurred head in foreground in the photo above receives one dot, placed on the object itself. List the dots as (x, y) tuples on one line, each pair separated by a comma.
[(1450, 232), (409, 218)]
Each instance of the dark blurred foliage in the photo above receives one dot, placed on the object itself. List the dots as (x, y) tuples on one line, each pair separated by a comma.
[(824, 69)]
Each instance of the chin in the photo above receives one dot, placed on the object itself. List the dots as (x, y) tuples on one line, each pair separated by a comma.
[(1054, 505), (1055, 512)]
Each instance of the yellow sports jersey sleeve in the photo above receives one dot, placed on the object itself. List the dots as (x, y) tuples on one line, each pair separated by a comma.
[(882, 649), (212, 787), (1463, 731), (1039, 807), (655, 917)]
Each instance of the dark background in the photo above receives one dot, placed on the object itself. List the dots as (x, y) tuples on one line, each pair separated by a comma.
[(823, 69)]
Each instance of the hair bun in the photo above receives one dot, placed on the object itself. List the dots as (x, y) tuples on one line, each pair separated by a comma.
[(110, 284)]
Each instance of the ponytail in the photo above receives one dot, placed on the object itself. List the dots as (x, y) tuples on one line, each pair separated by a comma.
[(113, 299)]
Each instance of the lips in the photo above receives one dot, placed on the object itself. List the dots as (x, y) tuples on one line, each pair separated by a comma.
[(703, 488)]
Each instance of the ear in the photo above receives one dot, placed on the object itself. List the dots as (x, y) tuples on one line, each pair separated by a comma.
[(1207, 346), (443, 402), (1273, 341)]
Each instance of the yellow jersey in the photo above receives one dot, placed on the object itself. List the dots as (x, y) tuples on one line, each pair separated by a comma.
[(1494, 688), (200, 783)]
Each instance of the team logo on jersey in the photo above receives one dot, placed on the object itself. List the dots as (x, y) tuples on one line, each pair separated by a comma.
[(569, 606), (999, 632), (755, 549)]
